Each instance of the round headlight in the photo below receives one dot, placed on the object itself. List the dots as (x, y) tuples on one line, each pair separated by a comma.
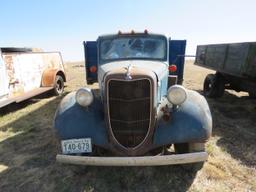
[(84, 97), (177, 94)]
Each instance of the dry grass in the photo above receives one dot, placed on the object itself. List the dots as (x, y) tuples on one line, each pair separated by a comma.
[(27, 148)]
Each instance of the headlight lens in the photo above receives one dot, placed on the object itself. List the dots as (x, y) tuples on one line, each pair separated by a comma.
[(177, 94), (84, 97)]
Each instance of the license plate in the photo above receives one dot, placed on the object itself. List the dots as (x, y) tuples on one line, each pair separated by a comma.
[(76, 146)]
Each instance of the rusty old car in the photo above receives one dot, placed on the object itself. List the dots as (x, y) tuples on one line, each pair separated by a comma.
[(27, 72), (140, 116)]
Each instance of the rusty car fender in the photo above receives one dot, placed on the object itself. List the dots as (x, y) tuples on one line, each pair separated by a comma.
[(49, 75)]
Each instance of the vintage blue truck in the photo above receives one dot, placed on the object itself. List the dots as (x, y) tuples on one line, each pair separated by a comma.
[(139, 110)]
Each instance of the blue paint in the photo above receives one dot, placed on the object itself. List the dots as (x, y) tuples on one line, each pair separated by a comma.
[(176, 56), (190, 122), (73, 121), (91, 59), (164, 85)]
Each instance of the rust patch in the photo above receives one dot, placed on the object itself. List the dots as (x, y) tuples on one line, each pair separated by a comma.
[(48, 77)]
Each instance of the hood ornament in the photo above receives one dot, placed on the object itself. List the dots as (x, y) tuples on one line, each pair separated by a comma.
[(128, 72)]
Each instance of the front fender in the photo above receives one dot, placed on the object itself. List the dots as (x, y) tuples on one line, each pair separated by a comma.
[(191, 122), (73, 121)]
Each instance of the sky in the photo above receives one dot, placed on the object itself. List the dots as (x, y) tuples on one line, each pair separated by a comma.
[(62, 25)]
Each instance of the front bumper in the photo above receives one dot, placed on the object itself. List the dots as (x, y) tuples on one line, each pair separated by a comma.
[(134, 161)]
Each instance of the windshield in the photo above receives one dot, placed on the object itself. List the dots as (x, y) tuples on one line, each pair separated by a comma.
[(133, 47)]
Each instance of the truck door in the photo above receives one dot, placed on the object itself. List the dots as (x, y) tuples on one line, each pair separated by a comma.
[(3, 79), (91, 61)]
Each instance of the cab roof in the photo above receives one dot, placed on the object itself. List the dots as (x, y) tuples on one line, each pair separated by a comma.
[(132, 33)]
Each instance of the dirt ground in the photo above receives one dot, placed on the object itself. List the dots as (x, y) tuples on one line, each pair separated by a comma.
[(27, 149)]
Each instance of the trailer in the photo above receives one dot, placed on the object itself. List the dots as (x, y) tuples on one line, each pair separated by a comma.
[(25, 73), (235, 66)]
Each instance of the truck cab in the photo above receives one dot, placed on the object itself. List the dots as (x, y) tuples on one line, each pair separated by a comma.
[(140, 112)]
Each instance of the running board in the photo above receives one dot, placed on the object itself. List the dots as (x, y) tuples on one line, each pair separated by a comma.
[(5, 102), (32, 93), (24, 96)]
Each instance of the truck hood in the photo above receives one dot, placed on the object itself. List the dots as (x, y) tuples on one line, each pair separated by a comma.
[(159, 68)]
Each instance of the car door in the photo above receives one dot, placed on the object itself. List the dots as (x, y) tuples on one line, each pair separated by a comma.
[(3, 78)]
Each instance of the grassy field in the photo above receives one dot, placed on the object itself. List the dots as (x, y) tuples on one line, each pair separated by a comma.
[(27, 149)]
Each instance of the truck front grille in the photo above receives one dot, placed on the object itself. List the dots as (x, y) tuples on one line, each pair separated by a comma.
[(129, 110)]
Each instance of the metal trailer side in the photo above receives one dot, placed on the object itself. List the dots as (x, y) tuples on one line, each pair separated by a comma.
[(234, 63), (237, 59)]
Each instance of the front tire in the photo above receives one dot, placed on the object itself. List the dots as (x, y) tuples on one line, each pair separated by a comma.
[(189, 147), (58, 85), (181, 148), (252, 95)]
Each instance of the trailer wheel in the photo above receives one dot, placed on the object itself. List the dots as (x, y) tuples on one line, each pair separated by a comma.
[(220, 84), (214, 86), (58, 85)]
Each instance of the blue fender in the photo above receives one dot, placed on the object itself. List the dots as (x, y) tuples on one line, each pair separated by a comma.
[(191, 122), (73, 121)]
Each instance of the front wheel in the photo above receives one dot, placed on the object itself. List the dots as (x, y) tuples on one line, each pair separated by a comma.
[(181, 148), (58, 85), (189, 147), (252, 95)]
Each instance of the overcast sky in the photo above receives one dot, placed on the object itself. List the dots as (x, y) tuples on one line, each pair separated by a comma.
[(62, 25)]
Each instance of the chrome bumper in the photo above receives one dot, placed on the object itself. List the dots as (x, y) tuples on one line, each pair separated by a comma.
[(134, 161)]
